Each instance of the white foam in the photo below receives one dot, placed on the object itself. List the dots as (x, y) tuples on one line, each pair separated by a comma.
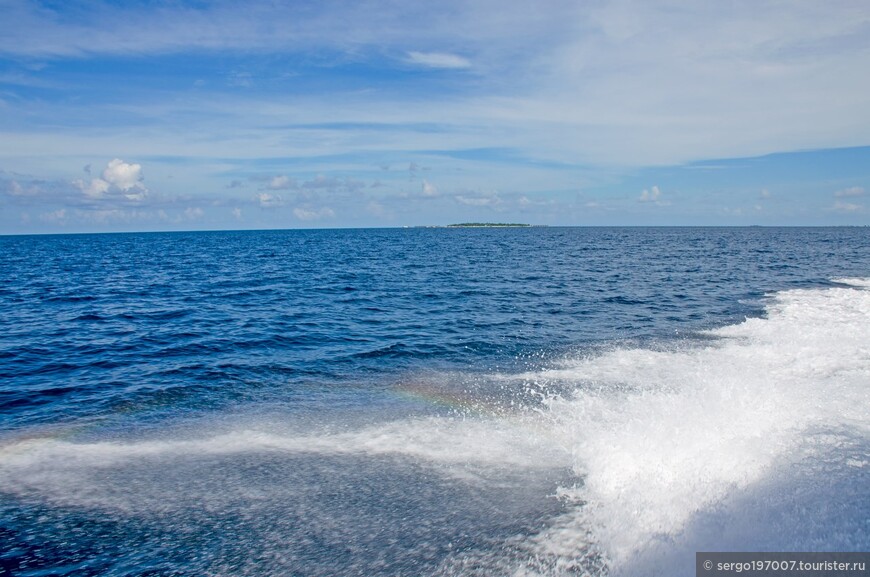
[(857, 282), (64, 471), (436, 439), (662, 438)]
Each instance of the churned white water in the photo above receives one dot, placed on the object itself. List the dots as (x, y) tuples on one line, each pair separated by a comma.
[(745, 444)]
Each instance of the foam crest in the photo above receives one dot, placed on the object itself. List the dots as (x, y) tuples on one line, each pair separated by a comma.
[(663, 437)]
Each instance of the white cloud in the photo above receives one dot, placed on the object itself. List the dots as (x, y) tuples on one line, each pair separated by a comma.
[(267, 200), (96, 188), (651, 195), (526, 202), (119, 179), (193, 213), (478, 200), (237, 213), (438, 60), (852, 192), (847, 207), (123, 175), (310, 214), (281, 182), (764, 193), (428, 189)]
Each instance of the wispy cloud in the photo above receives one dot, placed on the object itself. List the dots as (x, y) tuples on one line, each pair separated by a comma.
[(847, 207), (487, 200), (429, 190), (438, 60), (303, 213), (715, 82), (851, 192)]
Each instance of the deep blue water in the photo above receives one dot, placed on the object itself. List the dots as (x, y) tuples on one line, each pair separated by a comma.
[(422, 401)]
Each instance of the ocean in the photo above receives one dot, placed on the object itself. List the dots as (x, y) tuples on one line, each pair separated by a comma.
[(431, 401)]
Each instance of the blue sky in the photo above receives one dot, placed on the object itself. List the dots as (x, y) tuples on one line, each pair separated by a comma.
[(173, 115)]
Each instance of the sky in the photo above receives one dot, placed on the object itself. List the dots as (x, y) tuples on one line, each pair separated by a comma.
[(203, 115)]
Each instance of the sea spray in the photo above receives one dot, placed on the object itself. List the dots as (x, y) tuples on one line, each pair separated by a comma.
[(662, 439)]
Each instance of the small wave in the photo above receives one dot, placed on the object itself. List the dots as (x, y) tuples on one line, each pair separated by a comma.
[(70, 298), (89, 317), (401, 351), (622, 300)]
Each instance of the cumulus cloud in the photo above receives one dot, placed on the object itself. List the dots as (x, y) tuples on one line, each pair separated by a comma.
[(123, 175), (119, 179), (438, 60), (651, 195), (267, 200), (852, 192), (96, 188), (313, 214)]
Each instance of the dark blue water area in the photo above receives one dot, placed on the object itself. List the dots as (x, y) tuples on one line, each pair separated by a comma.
[(117, 349), (101, 324)]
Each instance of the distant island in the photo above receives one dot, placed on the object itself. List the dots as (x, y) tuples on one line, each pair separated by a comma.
[(486, 225)]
